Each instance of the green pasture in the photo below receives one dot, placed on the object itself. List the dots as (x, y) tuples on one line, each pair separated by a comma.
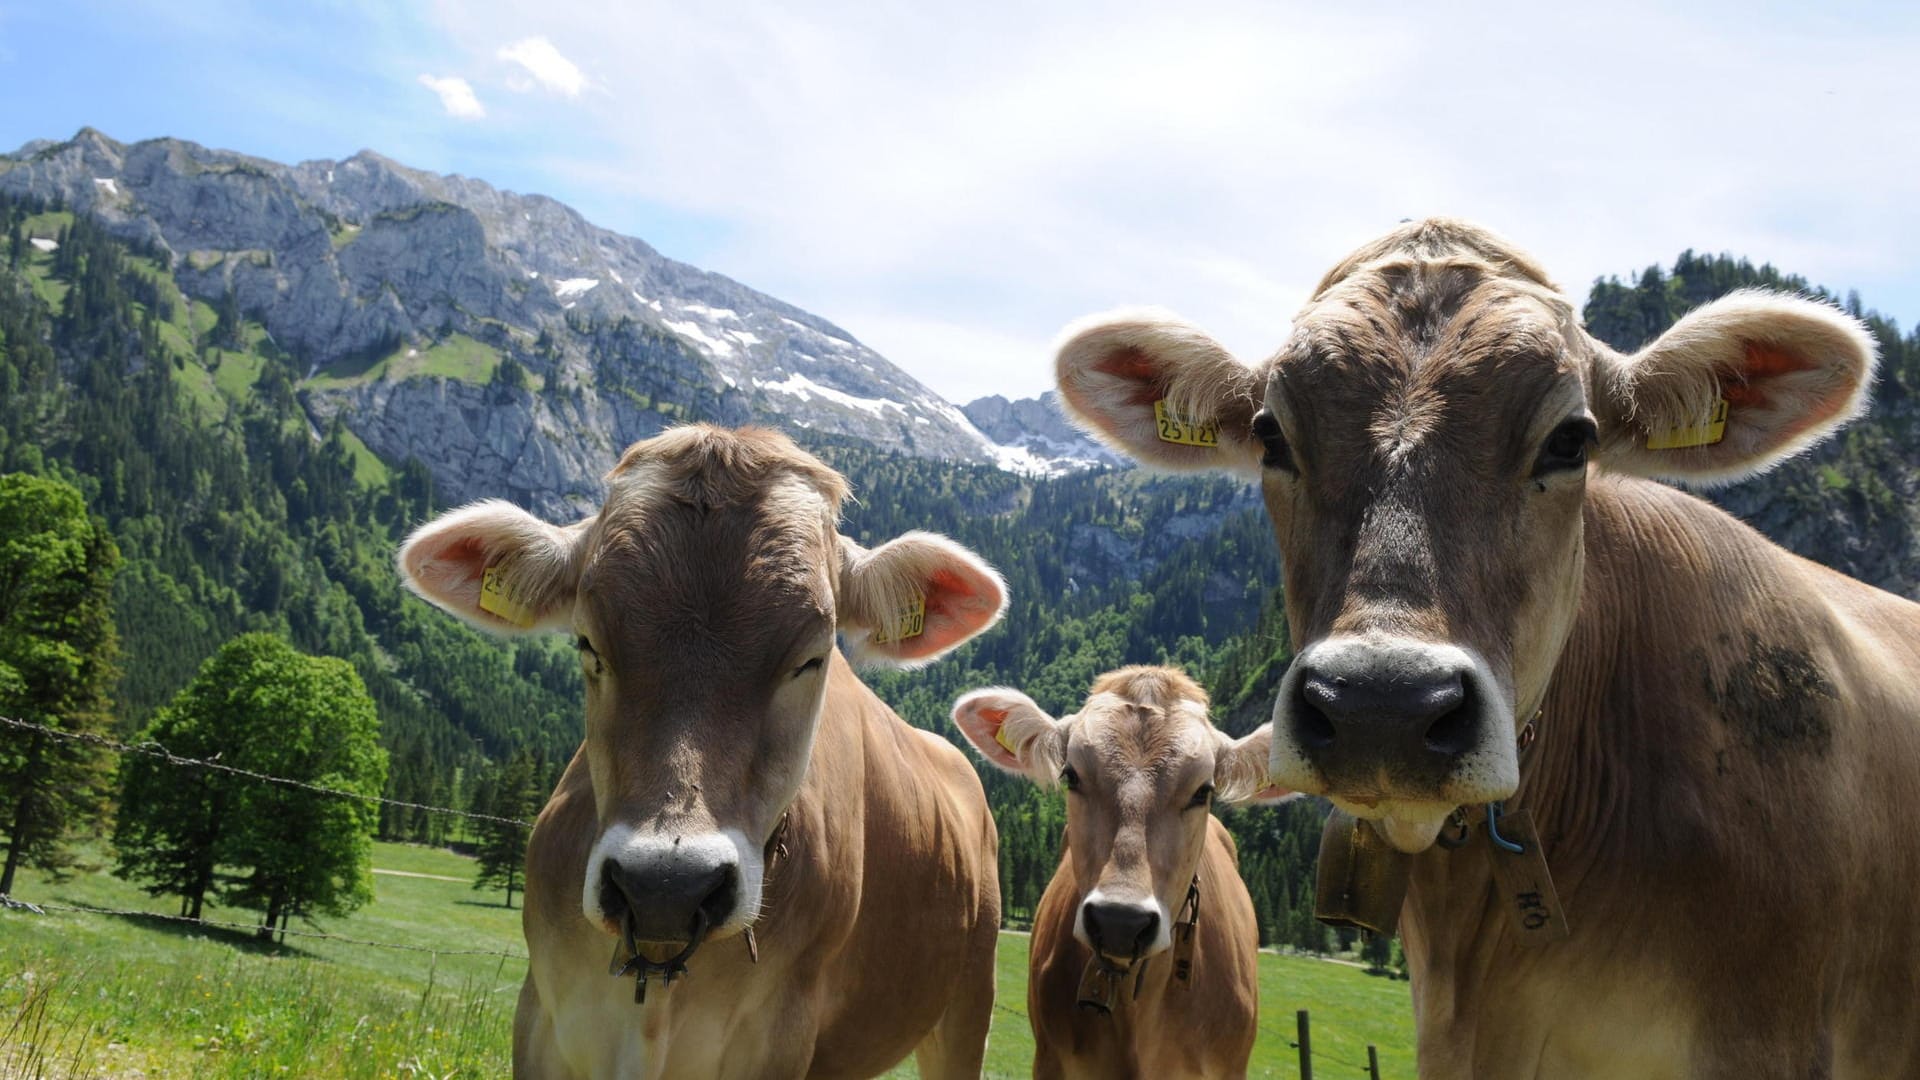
[(105, 996)]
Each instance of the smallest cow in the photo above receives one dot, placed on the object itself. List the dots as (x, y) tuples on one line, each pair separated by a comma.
[(1144, 946)]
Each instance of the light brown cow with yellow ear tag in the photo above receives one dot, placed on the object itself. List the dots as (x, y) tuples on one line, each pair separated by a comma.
[(1144, 951), (783, 878), (1654, 778)]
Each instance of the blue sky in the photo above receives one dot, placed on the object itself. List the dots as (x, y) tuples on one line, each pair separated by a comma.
[(955, 184)]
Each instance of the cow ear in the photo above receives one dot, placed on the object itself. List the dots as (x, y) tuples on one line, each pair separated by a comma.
[(1734, 388), (1241, 768), (1012, 733), (913, 599), (1160, 391), (495, 566)]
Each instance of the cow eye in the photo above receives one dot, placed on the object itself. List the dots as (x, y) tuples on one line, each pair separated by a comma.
[(1277, 454), (1201, 797), (814, 664), (1567, 447), (589, 659), (1070, 779)]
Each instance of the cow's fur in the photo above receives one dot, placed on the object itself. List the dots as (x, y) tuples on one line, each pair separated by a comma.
[(705, 596), (1140, 749), (1728, 762)]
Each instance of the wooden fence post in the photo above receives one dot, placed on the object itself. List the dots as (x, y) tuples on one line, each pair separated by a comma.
[(1306, 1049), (1373, 1062)]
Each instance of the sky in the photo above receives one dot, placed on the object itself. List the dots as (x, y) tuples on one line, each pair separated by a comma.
[(955, 183)]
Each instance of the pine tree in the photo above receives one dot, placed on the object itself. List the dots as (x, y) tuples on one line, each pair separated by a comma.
[(513, 793), (57, 665)]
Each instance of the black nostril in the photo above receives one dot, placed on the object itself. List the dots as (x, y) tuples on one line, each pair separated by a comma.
[(1121, 929), (1454, 731), (1311, 727), (719, 903), (613, 894)]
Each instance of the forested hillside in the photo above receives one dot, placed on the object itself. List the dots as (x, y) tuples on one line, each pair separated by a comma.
[(184, 425)]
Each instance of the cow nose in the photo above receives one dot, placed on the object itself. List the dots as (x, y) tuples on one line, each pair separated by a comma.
[(1410, 710), (666, 894), (1429, 704), (1120, 929)]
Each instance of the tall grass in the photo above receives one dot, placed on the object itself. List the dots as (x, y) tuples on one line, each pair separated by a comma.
[(216, 1012)]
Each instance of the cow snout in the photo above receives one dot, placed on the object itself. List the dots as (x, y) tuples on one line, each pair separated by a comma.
[(1385, 719), (1430, 705), (671, 892), (1119, 929)]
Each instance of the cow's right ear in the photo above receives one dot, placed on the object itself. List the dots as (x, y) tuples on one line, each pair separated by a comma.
[(1012, 733), (495, 566), (1160, 391)]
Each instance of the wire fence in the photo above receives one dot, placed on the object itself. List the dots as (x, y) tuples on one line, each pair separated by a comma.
[(158, 752), (161, 753)]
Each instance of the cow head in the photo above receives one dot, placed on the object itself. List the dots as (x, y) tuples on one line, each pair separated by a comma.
[(704, 599), (1423, 442), (1142, 766)]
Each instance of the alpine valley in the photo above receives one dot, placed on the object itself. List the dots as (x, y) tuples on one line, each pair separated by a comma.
[(261, 375)]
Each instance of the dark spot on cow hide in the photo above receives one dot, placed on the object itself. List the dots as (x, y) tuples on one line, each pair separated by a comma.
[(1775, 698)]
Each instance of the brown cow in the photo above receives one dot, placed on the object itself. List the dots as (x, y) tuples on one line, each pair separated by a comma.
[(1727, 767), (740, 791), (1144, 861)]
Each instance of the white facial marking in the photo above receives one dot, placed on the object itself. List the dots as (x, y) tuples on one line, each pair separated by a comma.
[(624, 845), (1163, 932), (1489, 770)]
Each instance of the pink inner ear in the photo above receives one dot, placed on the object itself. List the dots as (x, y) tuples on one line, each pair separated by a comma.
[(452, 571), (1764, 363), (1133, 365), (981, 724), (956, 608)]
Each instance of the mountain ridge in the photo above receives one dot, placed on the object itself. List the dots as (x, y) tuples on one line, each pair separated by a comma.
[(358, 266)]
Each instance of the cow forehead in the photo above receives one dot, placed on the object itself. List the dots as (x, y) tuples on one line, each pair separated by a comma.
[(1127, 737), (1403, 348), (754, 568)]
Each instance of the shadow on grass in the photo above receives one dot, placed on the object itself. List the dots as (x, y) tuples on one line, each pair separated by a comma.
[(244, 940)]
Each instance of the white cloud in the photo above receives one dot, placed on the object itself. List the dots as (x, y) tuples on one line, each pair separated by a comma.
[(456, 96), (538, 58), (955, 193)]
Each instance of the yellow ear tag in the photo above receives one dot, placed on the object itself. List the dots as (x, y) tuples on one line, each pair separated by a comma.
[(496, 599), (1000, 736), (1706, 433), (1175, 428), (913, 622)]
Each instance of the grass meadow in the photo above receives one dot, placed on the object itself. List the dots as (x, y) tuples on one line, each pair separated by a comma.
[(102, 996)]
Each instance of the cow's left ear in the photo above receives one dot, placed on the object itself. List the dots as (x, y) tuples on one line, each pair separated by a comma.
[(1734, 388), (1241, 770), (912, 600)]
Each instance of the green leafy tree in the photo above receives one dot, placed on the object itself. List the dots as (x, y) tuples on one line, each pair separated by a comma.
[(171, 818), (513, 792), (57, 653), (307, 719)]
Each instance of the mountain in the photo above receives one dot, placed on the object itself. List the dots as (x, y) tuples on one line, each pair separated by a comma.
[(501, 339), (1034, 437)]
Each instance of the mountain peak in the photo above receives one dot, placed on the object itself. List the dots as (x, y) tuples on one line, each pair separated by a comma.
[(382, 282)]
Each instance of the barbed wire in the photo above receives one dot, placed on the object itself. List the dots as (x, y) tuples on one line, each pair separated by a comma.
[(41, 908), (161, 753)]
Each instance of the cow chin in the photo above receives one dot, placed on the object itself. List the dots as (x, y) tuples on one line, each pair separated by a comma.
[(1409, 826), (668, 884)]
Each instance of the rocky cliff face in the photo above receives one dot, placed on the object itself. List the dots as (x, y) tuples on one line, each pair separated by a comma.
[(403, 294), (1033, 436)]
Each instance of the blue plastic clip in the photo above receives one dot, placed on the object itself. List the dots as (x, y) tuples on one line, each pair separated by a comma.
[(1493, 831)]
